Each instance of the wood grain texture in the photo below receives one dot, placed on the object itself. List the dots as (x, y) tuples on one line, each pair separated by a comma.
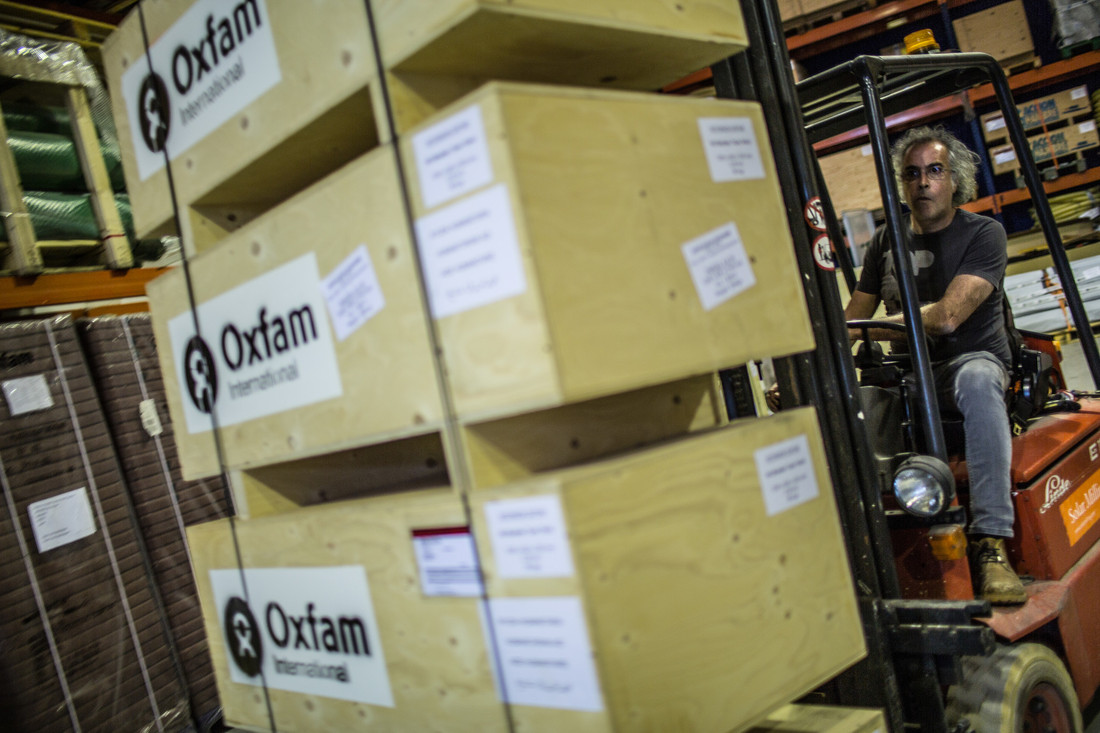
[(390, 390), (434, 647), (23, 256), (316, 118), (822, 719), (629, 44), (704, 612), (605, 188)]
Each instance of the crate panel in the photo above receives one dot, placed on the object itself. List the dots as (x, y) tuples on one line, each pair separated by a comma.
[(1001, 31), (386, 385), (577, 284), (1064, 143), (314, 118)]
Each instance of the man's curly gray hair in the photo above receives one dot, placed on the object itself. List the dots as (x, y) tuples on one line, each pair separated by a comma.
[(962, 161)]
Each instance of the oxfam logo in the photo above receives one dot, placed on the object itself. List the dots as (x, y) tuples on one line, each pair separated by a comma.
[(243, 633), (154, 112), (202, 377)]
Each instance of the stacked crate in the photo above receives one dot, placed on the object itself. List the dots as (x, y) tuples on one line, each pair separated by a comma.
[(521, 393), (84, 641), (1059, 127), (122, 358)]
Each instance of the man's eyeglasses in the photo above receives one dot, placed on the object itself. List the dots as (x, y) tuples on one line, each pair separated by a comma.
[(935, 172)]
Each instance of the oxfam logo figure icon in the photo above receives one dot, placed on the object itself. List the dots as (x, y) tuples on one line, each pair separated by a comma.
[(243, 633), (155, 112), (202, 378)]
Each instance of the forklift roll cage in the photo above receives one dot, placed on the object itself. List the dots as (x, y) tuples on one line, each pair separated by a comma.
[(914, 646)]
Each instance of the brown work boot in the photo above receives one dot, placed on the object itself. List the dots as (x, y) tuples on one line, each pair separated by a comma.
[(994, 579)]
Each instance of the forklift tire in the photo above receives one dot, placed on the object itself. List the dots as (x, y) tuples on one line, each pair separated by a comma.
[(1022, 687)]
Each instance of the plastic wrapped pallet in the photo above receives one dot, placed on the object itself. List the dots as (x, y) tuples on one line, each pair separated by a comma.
[(82, 626), (123, 361)]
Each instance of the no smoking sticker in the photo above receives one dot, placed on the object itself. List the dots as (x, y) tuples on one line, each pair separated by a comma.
[(815, 214)]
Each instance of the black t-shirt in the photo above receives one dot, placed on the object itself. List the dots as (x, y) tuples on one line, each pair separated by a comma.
[(970, 245)]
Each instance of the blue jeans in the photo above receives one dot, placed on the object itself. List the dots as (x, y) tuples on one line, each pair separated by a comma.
[(975, 384)]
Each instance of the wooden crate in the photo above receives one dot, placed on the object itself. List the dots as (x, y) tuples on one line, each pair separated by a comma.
[(440, 49), (707, 577), (24, 255), (556, 227), (436, 662), (306, 392), (1052, 109), (1001, 31), (851, 179), (823, 719), (293, 106), (1064, 143)]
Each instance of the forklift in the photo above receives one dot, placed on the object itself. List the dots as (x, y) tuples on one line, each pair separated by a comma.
[(938, 660)]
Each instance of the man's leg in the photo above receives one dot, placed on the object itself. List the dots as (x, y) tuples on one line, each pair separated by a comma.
[(975, 384)]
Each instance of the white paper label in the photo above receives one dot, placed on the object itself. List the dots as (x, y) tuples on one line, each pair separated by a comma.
[(308, 630), (352, 293), (61, 519), (866, 150), (719, 265), (470, 253), (1078, 92), (1087, 126), (529, 538), (27, 394), (545, 655), (731, 149), (995, 123), (150, 420), (1004, 156), (786, 473), (447, 562), (213, 62), (452, 157), (267, 348)]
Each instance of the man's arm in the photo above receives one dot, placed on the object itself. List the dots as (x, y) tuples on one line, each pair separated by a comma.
[(963, 296)]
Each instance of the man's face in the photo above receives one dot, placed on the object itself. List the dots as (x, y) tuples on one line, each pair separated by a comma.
[(928, 186)]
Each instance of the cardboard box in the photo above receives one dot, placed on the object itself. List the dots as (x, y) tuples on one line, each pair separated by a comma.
[(698, 594), (851, 179), (1052, 109), (578, 243), (1064, 142), (1001, 31), (280, 98), (313, 333), (438, 50)]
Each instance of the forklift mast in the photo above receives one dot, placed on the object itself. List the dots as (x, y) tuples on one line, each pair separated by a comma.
[(914, 647)]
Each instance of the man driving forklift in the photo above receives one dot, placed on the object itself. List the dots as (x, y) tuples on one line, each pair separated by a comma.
[(958, 264)]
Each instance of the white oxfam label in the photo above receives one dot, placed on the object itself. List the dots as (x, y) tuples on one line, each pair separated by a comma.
[(308, 630), (212, 63), (266, 348)]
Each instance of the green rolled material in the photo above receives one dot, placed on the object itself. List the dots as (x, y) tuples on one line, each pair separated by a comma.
[(23, 117), (48, 162)]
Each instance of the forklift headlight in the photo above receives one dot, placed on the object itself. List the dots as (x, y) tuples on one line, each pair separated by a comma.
[(924, 485)]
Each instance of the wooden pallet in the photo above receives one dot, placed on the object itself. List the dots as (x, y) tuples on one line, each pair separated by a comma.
[(812, 14), (25, 254)]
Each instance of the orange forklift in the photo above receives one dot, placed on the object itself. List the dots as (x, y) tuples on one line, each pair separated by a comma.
[(939, 660)]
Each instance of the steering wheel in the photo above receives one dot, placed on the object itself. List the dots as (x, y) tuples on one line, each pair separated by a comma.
[(870, 353)]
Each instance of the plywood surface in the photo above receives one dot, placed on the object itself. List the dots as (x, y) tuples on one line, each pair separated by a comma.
[(389, 389)]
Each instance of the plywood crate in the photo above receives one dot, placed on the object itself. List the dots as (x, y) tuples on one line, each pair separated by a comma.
[(428, 667), (1053, 109), (1065, 142), (286, 100), (696, 585), (823, 719), (562, 233), (272, 301), (851, 179), (440, 49), (1001, 31)]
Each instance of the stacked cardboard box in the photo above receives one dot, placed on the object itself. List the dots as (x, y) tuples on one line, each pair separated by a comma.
[(122, 357), (82, 625)]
